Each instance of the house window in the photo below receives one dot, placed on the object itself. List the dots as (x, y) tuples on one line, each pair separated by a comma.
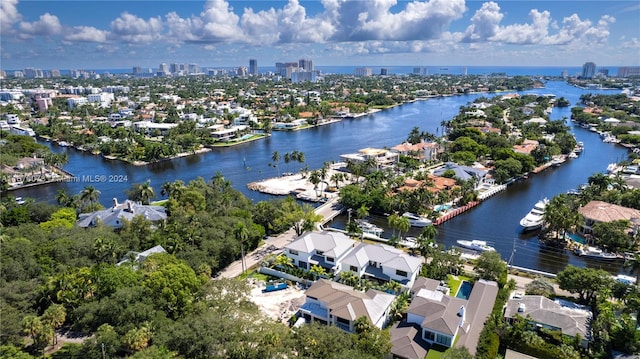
[(330, 259), (429, 335), (342, 321), (302, 264), (292, 252), (353, 269), (401, 273), (443, 339)]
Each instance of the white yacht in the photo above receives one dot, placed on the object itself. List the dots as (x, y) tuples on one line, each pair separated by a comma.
[(417, 220), (535, 217), (369, 228), (476, 245), (597, 253)]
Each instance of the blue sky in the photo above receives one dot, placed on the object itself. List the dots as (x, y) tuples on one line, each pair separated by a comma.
[(96, 34)]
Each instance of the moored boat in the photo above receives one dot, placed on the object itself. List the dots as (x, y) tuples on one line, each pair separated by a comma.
[(535, 217), (417, 220), (369, 228), (596, 253), (476, 245)]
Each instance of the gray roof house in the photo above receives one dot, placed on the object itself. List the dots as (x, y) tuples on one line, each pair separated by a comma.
[(569, 318), (139, 257), (114, 216), (443, 319), (325, 249), (383, 262), (462, 172), (337, 304)]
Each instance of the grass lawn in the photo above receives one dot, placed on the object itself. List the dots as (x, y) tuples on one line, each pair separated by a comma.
[(434, 354), (454, 283)]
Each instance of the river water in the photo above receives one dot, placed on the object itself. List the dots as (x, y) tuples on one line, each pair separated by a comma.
[(495, 220)]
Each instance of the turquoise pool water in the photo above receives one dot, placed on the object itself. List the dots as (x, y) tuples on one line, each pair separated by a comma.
[(441, 207), (465, 290), (246, 137), (577, 238)]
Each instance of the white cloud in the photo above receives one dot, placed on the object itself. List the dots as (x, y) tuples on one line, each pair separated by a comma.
[(373, 20), (130, 28), (9, 15), (86, 34), (46, 25), (532, 33), (485, 23)]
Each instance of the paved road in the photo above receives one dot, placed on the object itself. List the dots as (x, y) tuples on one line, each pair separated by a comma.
[(276, 244)]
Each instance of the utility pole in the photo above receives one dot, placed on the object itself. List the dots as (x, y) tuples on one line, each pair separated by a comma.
[(513, 252)]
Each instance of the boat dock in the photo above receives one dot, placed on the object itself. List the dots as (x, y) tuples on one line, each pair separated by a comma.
[(455, 212)]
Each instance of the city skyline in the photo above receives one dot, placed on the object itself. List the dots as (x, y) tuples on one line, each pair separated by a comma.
[(122, 34)]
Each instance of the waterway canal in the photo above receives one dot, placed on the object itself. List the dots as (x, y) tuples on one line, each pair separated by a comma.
[(495, 220)]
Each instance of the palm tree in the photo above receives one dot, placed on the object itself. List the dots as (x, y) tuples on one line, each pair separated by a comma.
[(403, 225), (315, 179), (275, 157), (63, 198), (172, 189), (55, 316), (241, 233), (393, 286), (336, 178), (392, 221), (362, 212), (146, 192), (90, 194)]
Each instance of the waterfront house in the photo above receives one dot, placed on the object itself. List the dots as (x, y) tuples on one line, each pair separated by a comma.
[(114, 216), (423, 150), (462, 172), (381, 157), (326, 249), (560, 315), (599, 211), (526, 147), (332, 303), (442, 319), (382, 263)]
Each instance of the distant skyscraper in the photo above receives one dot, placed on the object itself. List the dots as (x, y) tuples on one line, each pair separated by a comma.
[(564, 74), (305, 64), (253, 67), (628, 71), (163, 68), (417, 70), (588, 70), (384, 71), (363, 71), (464, 71), (241, 71), (137, 70)]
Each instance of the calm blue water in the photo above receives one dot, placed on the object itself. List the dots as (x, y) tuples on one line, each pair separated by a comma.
[(495, 220)]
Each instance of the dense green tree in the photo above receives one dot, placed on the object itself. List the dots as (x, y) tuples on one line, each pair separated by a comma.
[(588, 283), (613, 236), (490, 266)]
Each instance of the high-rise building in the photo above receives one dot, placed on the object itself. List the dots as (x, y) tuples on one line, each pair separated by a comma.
[(241, 71), (564, 74), (363, 71), (384, 71), (174, 68), (627, 71), (137, 70), (163, 68), (253, 67), (588, 70), (305, 64)]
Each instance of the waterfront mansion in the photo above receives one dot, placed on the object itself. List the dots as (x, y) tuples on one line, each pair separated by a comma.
[(336, 252)]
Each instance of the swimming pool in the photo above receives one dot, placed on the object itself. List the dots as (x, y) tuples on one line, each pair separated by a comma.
[(465, 290), (577, 238), (441, 207)]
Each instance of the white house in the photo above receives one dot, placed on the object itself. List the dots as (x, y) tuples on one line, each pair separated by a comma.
[(337, 304), (326, 249), (384, 263), (445, 320)]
